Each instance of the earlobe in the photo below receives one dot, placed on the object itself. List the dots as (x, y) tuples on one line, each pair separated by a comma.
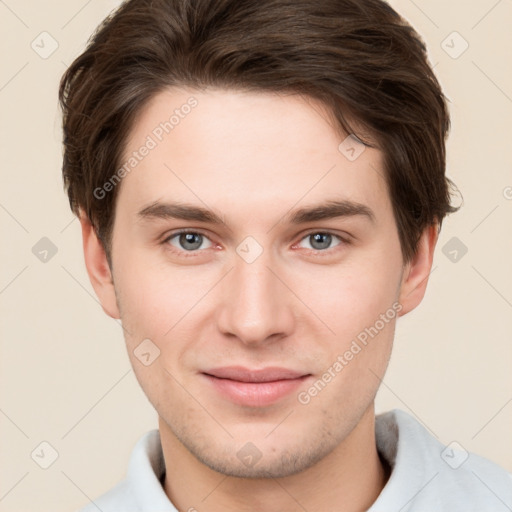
[(98, 269), (417, 271)]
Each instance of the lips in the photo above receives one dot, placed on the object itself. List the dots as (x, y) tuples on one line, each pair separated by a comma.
[(254, 387), (241, 374)]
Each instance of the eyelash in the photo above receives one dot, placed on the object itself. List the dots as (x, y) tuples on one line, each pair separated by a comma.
[(318, 252)]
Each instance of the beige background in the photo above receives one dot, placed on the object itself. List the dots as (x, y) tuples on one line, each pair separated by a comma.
[(65, 376)]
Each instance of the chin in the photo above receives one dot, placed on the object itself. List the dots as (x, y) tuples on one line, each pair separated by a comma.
[(271, 461)]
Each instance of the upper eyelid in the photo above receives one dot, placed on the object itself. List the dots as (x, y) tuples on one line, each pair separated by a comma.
[(168, 236), (341, 238), (188, 231), (323, 231)]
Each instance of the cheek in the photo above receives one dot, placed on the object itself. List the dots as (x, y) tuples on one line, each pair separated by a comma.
[(157, 300), (351, 297), (149, 302), (155, 306)]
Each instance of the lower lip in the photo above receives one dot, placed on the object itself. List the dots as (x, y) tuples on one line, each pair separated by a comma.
[(255, 394)]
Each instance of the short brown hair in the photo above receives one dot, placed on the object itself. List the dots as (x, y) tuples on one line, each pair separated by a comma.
[(358, 57)]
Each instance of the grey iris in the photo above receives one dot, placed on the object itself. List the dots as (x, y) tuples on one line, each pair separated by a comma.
[(320, 240), (191, 241)]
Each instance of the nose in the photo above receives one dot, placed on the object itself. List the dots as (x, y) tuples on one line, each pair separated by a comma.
[(256, 306)]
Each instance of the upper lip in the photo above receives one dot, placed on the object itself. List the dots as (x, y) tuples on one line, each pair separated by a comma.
[(241, 374)]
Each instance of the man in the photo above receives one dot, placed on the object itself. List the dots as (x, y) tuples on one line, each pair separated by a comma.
[(260, 186)]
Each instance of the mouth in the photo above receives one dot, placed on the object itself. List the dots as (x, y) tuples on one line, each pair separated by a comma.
[(254, 388)]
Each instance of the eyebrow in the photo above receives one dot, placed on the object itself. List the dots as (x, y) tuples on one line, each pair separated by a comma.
[(327, 210), (330, 210)]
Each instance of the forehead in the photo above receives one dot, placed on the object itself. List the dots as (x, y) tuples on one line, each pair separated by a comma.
[(245, 152)]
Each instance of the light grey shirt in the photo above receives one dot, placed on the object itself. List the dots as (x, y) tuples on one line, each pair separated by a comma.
[(426, 476)]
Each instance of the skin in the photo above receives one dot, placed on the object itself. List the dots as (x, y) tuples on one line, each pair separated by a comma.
[(253, 159)]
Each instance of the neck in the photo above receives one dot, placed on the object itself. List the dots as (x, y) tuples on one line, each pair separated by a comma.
[(351, 476)]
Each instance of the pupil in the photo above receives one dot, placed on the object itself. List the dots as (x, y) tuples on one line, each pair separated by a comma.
[(190, 241), (321, 240)]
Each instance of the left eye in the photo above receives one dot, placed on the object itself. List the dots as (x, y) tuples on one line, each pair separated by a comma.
[(320, 241), (189, 241)]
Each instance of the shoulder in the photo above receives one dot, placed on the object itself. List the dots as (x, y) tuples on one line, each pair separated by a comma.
[(427, 475), (119, 498), (141, 490)]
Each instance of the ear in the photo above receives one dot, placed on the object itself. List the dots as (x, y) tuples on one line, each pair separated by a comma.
[(98, 268), (417, 271)]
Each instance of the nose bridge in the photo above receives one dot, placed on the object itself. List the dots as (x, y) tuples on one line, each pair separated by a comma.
[(255, 305)]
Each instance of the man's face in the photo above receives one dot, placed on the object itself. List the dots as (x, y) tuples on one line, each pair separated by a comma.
[(262, 293)]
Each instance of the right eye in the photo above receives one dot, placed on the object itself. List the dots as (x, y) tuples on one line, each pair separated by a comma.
[(188, 241)]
